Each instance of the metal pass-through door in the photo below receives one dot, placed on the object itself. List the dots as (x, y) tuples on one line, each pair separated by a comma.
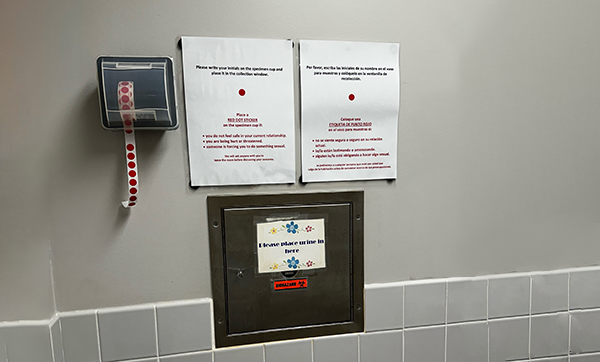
[(309, 280)]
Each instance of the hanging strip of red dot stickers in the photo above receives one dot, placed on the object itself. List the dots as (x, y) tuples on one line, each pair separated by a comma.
[(127, 108)]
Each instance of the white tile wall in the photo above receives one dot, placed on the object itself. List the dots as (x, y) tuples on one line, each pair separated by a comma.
[(585, 358), (585, 331), (384, 307), (289, 351), (190, 357), (467, 342), (3, 345), (584, 289), (424, 344), (424, 304), (253, 353), (184, 327), (342, 348), (549, 293), (80, 337), (56, 338), (550, 335), (509, 339), (508, 297), (381, 346), (467, 300), (26, 343), (522, 317), (127, 334)]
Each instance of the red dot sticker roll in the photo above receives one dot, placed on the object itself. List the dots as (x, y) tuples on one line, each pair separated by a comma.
[(127, 108)]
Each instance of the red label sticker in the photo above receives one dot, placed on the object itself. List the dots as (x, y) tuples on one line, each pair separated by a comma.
[(290, 284)]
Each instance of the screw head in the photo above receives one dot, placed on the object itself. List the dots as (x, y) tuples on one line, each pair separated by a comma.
[(216, 224)]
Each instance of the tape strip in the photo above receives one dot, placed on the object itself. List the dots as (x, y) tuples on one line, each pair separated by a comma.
[(127, 108)]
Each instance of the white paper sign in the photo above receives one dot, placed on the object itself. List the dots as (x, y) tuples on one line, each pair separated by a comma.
[(291, 245), (350, 104), (239, 98)]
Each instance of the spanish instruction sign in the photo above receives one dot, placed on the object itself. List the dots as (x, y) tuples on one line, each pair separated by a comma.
[(239, 98), (291, 245), (350, 104)]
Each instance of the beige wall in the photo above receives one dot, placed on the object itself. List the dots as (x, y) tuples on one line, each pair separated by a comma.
[(498, 144), (26, 118)]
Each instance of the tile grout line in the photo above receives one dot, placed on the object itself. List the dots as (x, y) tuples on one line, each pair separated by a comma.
[(541, 359), (403, 345), (156, 330), (569, 292), (446, 325), (52, 344), (569, 311), (213, 337), (530, 302), (403, 328), (97, 319), (62, 347), (488, 341), (487, 316), (569, 343), (491, 276), (357, 347), (403, 307), (487, 305)]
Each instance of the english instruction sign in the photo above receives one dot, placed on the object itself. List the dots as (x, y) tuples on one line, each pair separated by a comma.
[(291, 245)]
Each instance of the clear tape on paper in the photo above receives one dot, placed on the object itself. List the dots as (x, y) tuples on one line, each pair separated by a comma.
[(127, 109)]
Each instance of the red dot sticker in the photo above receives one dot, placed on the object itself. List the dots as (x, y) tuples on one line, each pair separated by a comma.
[(124, 90), (132, 172), (124, 83), (132, 204), (131, 165), (351, 97), (128, 131), (132, 182), (130, 147), (133, 198), (125, 99), (125, 107), (242, 92), (128, 123), (130, 156), (133, 190)]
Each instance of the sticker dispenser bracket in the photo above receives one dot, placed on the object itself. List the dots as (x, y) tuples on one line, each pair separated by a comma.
[(136, 93), (155, 98)]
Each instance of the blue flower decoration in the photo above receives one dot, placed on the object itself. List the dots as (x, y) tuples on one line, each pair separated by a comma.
[(291, 227), (293, 263)]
